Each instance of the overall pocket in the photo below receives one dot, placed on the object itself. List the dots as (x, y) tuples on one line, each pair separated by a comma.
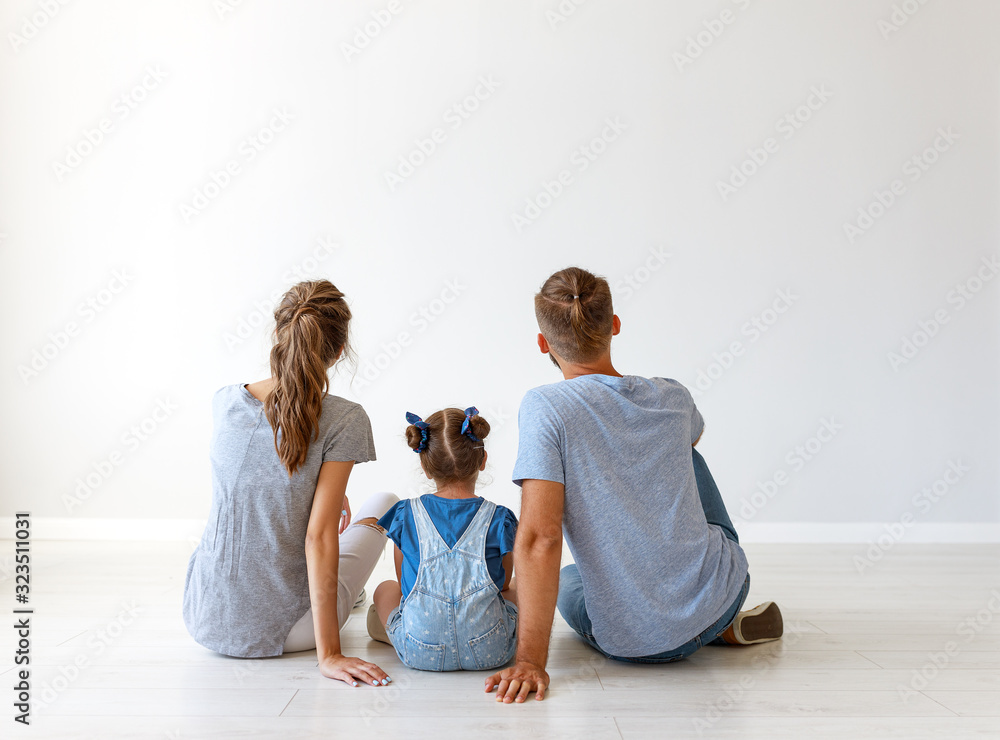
[(492, 649), (423, 656)]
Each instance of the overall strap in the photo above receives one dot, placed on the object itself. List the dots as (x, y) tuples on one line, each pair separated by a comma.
[(473, 539), (431, 542)]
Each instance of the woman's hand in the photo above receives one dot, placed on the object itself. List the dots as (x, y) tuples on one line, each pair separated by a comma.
[(345, 515), (353, 671)]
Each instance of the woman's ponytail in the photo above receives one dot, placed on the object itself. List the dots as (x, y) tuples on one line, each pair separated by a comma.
[(310, 334)]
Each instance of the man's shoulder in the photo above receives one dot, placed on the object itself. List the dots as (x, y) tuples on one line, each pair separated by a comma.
[(669, 386), (542, 396)]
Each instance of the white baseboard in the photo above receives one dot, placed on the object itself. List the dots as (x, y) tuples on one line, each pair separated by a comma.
[(72, 528), (164, 530), (866, 532), (189, 530)]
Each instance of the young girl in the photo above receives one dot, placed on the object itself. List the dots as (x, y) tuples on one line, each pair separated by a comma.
[(279, 568), (452, 606)]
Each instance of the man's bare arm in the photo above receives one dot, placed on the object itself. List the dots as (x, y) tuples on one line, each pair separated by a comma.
[(537, 555)]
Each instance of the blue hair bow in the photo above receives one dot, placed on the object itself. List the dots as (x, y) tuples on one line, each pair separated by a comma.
[(466, 426), (422, 426)]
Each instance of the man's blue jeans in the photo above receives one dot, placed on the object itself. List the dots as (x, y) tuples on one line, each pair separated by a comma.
[(574, 610)]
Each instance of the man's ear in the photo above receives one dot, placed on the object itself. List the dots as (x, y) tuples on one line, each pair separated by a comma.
[(543, 344), (616, 325)]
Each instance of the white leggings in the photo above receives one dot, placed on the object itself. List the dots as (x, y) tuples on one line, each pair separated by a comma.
[(360, 548)]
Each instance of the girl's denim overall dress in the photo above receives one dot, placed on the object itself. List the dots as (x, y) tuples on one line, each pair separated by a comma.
[(454, 618)]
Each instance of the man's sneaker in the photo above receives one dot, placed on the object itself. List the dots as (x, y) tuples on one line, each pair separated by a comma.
[(361, 599), (376, 630), (760, 624)]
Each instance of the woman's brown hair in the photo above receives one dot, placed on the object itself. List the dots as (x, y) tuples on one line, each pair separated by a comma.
[(450, 456), (575, 314), (310, 334)]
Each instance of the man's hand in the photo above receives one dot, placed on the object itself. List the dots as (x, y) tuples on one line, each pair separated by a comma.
[(352, 671), (515, 683), (537, 550)]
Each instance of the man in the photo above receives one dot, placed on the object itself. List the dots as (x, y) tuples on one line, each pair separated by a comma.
[(609, 459)]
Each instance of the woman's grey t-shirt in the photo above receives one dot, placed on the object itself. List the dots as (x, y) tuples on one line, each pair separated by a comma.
[(655, 573), (246, 583)]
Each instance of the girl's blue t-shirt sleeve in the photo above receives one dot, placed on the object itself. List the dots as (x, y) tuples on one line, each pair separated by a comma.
[(506, 529), (394, 521)]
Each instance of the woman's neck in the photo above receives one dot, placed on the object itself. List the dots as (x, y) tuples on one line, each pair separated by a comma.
[(260, 389)]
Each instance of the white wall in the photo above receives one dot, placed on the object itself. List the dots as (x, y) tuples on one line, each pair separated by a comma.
[(191, 282)]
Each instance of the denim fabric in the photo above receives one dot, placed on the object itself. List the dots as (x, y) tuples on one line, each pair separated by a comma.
[(572, 604), (454, 618), (632, 512), (574, 611)]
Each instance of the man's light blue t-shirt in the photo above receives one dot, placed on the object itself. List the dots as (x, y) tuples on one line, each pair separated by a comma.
[(655, 573)]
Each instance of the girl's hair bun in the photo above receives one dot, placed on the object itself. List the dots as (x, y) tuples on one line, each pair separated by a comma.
[(479, 426), (412, 437), (449, 455)]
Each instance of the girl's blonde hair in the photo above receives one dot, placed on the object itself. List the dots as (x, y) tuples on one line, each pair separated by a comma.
[(310, 335)]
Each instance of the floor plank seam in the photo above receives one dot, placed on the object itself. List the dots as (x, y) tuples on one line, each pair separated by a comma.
[(290, 700), (70, 639), (858, 652), (953, 712), (618, 729), (813, 624)]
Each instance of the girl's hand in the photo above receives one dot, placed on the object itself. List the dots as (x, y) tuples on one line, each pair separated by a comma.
[(345, 515), (353, 671)]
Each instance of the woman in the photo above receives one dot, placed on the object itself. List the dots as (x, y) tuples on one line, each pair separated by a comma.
[(280, 565)]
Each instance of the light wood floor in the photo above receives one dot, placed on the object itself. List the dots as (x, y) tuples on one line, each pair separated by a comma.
[(845, 669)]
